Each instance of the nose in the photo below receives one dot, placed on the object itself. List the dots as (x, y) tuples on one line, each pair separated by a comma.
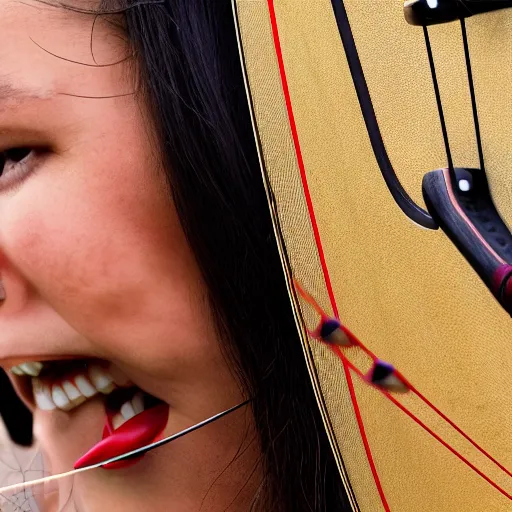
[(15, 289)]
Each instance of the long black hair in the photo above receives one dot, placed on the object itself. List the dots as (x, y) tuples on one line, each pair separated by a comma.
[(190, 73)]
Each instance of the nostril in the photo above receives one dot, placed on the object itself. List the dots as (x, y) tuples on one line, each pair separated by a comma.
[(2, 292)]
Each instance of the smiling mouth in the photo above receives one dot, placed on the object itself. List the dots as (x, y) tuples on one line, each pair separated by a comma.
[(67, 384)]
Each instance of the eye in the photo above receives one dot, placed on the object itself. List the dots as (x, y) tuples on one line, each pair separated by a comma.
[(16, 163), (12, 158)]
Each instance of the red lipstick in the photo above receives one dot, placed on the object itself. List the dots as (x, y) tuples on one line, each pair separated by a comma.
[(142, 429)]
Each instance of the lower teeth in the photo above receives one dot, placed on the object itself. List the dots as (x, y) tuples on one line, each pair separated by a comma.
[(128, 410)]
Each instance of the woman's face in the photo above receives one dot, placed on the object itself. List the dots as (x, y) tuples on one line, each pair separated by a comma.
[(95, 265)]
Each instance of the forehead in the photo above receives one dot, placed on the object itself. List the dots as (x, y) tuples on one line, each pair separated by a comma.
[(46, 49)]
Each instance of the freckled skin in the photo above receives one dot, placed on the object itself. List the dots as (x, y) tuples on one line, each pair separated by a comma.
[(94, 263)]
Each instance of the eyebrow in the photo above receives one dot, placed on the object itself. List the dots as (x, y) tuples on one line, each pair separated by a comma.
[(11, 92)]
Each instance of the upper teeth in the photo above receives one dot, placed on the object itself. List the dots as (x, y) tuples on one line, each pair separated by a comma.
[(32, 368), (70, 392)]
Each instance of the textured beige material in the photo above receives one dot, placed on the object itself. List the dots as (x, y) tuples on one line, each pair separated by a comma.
[(394, 58), (406, 292)]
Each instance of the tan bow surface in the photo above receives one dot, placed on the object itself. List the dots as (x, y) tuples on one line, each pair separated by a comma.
[(405, 291)]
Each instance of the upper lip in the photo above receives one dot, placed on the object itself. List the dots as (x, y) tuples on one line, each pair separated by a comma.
[(8, 363)]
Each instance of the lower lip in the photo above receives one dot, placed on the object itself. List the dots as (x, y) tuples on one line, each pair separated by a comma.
[(139, 431)]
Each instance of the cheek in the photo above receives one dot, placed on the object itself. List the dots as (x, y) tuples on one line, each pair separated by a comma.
[(83, 241), (57, 246), (117, 271)]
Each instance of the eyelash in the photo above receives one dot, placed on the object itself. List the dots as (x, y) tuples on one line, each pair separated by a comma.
[(23, 162)]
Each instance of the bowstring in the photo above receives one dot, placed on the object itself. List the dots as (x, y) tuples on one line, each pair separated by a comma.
[(133, 453), (439, 104), (472, 94), (471, 85)]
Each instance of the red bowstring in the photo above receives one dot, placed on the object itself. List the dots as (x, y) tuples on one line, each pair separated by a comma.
[(347, 364), (364, 437), (300, 163), (453, 425)]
